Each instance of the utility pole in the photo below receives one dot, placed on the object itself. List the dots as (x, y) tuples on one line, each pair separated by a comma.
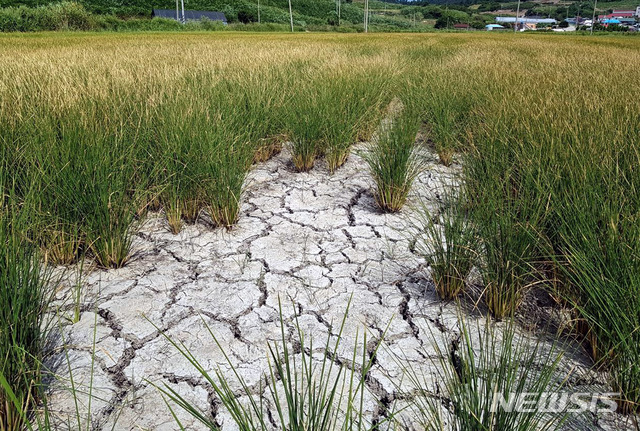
[(291, 16), (366, 16), (258, 11), (183, 18), (517, 17), (593, 20), (177, 11)]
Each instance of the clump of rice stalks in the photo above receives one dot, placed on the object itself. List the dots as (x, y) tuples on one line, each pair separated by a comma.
[(339, 139), (448, 105), (306, 392), (306, 128), (393, 160), (305, 149), (508, 210), (228, 169), (487, 368), (89, 200), (609, 303), (60, 244), (268, 148), (205, 152), (23, 299), (182, 156), (504, 264), (111, 203), (444, 125), (82, 392), (350, 105), (448, 242)]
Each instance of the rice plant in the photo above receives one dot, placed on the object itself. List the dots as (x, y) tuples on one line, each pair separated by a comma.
[(305, 392), (604, 268), (227, 171), (448, 242), (350, 106), (305, 129), (486, 367), (393, 160), (447, 114), (24, 296), (268, 148), (44, 418)]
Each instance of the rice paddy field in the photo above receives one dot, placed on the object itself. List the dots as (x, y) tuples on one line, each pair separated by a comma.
[(513, 159)]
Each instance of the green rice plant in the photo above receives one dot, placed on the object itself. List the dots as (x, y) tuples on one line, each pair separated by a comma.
[(602, 270), (350, 106), (259, 109), (448, 242), (611, 315), (504, 264), (43, 418), (24, 296), (109, 199), (488, 366), (447, 116), (509, 207), (228, 169), (205, 153), (182, 159), (342, 117), (393, 160), (306, 392), (89, 195), (306, 127)]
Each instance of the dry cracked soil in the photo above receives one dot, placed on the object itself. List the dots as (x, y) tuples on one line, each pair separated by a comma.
[(311, 242)]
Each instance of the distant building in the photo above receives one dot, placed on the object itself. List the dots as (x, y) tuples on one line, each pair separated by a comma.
[(627, 21), (512, 20), (189, 15), (619, 14), (490, 27), (526, 23), (461, 26)]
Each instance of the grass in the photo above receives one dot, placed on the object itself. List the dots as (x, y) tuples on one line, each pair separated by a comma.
[(96, 130)]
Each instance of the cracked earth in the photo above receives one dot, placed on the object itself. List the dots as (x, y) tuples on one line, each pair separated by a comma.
[(310, 240)]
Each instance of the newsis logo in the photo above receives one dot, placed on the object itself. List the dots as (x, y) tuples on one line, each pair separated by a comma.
[(555, 402)]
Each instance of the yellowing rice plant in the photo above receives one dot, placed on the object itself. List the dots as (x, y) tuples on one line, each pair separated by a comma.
[(96, 127)]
